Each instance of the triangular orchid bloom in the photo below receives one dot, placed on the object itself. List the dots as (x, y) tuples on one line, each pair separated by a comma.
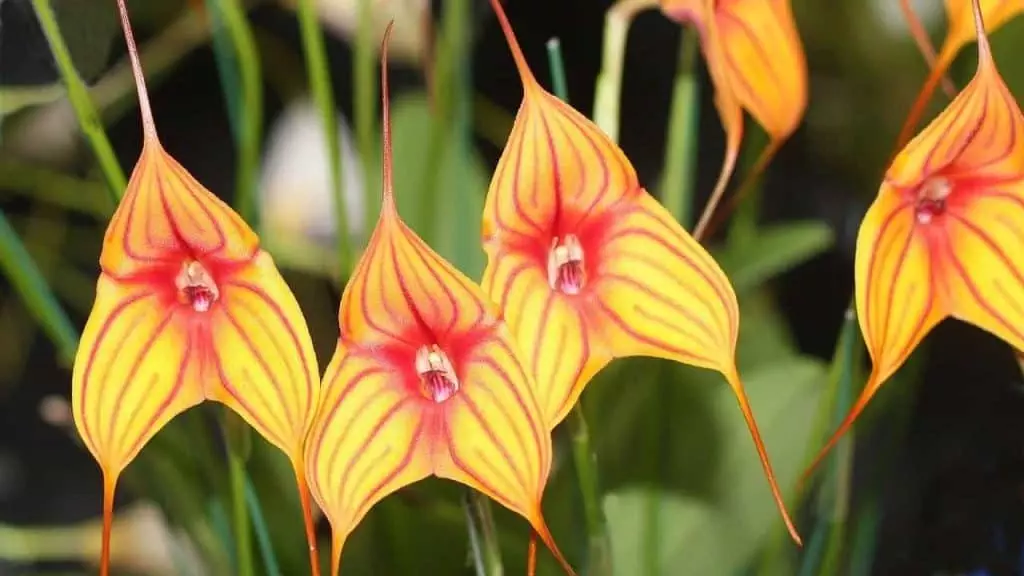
[(944, 237), (587, 266), (188, 307), (756, 62), (960, 32), (426, 380)]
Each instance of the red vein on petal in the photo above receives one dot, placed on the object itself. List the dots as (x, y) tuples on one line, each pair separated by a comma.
[(962, 142), (711, 336), (165, 404), (504, 376), (361, 376), (130, 377), (569, 398), (374, 492), (285, 418), (272, 436), (628, 330), (282, 350), (520, 478), (101, 335), (358, 454), (870, 283)]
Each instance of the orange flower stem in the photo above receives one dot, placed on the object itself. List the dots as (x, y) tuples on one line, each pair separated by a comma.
[(307, 518), (752, 180), (924, 43), (584, 457), (483, 534), (109, 487)]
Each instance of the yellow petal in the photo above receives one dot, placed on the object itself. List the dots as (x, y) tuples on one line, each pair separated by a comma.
[(944, 235), (636, 284), (137, 366), (426, 380), (263, 365), (371, 437), (563, 348), (166, 211)]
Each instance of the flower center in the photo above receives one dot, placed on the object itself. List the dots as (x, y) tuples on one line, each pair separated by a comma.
[(195, 286), (931, 199), (437, 377), (565, 265)]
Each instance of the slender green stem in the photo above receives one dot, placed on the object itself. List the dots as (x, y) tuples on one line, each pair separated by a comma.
[(259, 524), (584, 457), (78, 94), (319, 74), (365, 87), (236, 439), (483, 535), (608, 89), (28, 280), (249, 128), (681, 154)]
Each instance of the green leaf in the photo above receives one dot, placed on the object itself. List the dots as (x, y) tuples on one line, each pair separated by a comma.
[(410, 126), (707, 500), (775, 250), (25, 277)]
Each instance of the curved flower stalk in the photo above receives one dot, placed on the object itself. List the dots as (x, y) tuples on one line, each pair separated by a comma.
[(188, 307), (426, 379), (960, 33), (757, 63), (945, 237), (587, 266)]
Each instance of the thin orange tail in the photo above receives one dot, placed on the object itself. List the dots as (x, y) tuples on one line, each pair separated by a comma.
[(307, 517), (756, 171), (531, 555), (540, 528), (924, 43), (923, 98), (109, 487)]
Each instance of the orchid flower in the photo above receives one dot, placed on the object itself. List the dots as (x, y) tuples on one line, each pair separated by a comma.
[(756, 63), (587, 266), (944, 236), (960, 32), (188, 307), (426, 380)]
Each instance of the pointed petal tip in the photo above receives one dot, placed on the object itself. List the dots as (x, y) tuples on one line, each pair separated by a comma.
[(148, 125), (525, 74), (540, 528), (733, 378)]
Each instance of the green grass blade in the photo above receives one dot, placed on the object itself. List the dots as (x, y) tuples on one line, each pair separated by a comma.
[(26, 278), (680, 167), (81, 102), (242, 80), (318, 72)]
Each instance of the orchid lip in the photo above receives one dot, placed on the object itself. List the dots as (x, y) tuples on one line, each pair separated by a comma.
[(931, 198), (196, 286), (437, 377), (565, 265)]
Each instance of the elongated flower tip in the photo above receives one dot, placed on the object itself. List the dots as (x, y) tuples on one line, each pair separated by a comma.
[(426, 379), (757, 47), (587, 266), (187, 308), (943, 237), (962, 16)]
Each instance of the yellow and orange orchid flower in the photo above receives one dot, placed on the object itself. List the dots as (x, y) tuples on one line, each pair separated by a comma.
[(587, 266), (960, 32), (188, 307), (944, 237), (756, 62), (426, 380)]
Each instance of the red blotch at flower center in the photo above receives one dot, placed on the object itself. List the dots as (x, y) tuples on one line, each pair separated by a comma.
[(931, 199), (437, 377), (196, 287), (565, 265)]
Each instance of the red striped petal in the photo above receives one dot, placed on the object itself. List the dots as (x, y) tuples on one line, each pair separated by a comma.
[(426, 380), (137, 366), (262, 364), (166, 213)]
